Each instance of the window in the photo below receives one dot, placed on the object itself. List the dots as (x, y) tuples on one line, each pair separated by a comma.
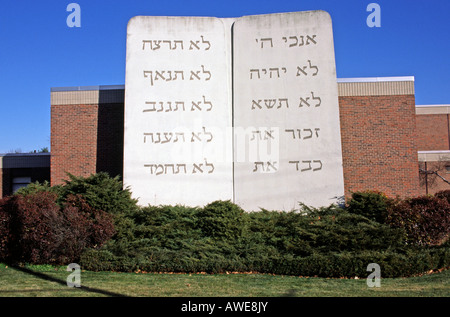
[(19, 182)]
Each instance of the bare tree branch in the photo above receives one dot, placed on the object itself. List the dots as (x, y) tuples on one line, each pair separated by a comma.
[(433, 173)]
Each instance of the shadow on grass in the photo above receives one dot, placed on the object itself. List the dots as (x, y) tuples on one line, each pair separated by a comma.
[(62, 282)]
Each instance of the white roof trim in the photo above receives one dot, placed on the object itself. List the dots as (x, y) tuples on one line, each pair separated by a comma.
[(87, 88), (374, 79), (431, 106), (434, 152)]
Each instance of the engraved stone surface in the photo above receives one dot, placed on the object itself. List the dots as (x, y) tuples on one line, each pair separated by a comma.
[(270, 142), (177, 148), (287, 146)]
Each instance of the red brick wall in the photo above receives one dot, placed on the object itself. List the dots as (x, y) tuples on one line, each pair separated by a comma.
[(86, 139), (73, 141), (432, 132), (379, 144)]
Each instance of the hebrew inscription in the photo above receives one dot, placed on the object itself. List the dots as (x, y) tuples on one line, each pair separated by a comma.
[(177, 98), (274, 72), (298, 98), (290, 41), (166, 75), (169, 106), (201, 44), (267, 138), (193, 168), (277, 103)]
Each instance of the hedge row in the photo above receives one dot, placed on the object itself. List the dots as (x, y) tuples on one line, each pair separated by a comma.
[(344, 264), (94, 221), (221, 237)]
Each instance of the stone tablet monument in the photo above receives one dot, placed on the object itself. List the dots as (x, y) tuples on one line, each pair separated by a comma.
[(263, 133), (178, 110), (286, 112)]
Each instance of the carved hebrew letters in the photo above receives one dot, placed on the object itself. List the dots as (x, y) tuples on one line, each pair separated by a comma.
[(154, 45), (306, 134), (203, 104), (310, 100), (272, 72), (308, 69), (307, 165), (243, 109), (305, 70), (265, 167), (288, 41), (174, 137), (285, 79), (180, 168), (173, 75)]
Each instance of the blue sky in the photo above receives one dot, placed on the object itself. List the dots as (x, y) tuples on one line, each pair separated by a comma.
[(39, 51)]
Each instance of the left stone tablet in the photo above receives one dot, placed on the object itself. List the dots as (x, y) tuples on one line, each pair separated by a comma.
[(178, 113)]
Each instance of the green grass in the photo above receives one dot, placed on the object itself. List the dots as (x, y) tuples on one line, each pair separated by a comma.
[(49, 281)]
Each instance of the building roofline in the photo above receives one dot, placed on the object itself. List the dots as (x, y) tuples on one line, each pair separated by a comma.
[(434, 152), (339, 80), (374, 79), (24, 154), (431, 106), (432, 109), (87, 88)]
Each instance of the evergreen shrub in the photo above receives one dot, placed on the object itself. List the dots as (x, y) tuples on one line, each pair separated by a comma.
[(371, 204), (404, 236)]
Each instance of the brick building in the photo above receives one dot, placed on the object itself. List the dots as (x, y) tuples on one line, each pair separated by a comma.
[(378, 131), (18, 170), (386, 137), (87, 126), (433, 140)]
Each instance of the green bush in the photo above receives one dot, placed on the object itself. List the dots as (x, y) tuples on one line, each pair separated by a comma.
[(222, 219), (370, 204), (101, 192), (404, 236), (37, 187), (327, 242)]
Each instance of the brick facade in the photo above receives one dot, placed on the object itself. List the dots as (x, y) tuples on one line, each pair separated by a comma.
[(73, 141), (86, 138), (433, 138), (433, 132), (379, 144)]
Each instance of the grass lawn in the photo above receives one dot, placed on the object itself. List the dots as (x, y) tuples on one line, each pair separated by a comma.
[(48, 281)]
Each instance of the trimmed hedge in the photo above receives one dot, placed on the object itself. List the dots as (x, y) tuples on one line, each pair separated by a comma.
[(329, 242), (94, 222)]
